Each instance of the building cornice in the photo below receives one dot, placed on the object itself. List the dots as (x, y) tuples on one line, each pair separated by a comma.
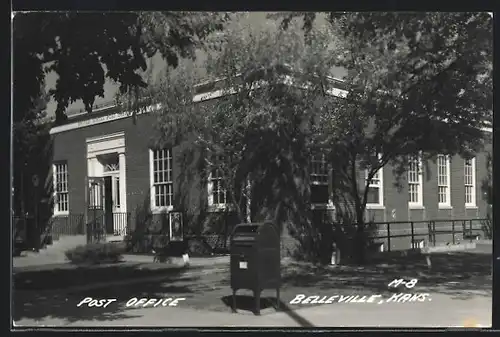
[(200, 97), (217, 91)]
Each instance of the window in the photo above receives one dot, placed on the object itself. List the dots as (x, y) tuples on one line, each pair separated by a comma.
[(162, 187), (61, 204), (96, 195), (443, 177), (319, 180), (112, 167), (217, 191), (375, 195), (117, 192), (110, 162), (470, 182), (415, 181)]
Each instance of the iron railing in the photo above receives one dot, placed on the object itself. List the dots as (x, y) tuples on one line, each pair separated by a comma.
[(97, 230), (71, 224), (27, 233), (121, 222), (427, 232), (19, 231), (74, 224)]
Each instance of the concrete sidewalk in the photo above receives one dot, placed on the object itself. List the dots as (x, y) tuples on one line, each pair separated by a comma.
[(442, 311), (193, 261), (117, 283), (208, 265), (34, 263)]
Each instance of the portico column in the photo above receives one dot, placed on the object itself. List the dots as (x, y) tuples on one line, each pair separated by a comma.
[(91, 166), (123, 181)]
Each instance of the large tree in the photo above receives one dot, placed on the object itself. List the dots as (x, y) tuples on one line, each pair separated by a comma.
[(418, 82), (31, 150), (257, 136), (85, 49), (32, 157)]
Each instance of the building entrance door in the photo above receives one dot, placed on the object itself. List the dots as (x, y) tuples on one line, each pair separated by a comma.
[(95, 211), (108, 204), (106, 159), (111, 173)]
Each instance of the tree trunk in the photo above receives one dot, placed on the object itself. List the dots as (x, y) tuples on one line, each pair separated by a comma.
[(21, 190), (360, 242), (326, 242), (249, 201), (237, 203), (359, 204)]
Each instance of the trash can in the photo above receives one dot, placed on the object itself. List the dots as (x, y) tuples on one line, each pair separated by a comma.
[(255, 262)]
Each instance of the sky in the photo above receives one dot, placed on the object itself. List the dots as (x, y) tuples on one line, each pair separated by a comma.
[(157, 64), (111, 88)]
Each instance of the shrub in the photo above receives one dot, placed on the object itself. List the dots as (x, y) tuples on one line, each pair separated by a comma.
[(487, 228), (95, 253), (197, 247), (143, 242)]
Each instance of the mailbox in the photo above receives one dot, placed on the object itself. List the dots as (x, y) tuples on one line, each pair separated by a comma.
[(255, 260)]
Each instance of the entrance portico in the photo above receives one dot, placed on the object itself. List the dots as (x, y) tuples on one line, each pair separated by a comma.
[(106, 160)]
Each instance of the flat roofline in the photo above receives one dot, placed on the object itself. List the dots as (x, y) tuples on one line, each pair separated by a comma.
[(200, 97), (110, 105), (203, 96), (100, 109)]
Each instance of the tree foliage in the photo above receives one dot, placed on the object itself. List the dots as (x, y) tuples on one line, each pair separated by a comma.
[(32, 156), (85, 49), (258, 135), (416, 82), (487, 183)]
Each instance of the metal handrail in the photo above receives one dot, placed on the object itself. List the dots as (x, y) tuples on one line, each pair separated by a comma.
[(466, 229)]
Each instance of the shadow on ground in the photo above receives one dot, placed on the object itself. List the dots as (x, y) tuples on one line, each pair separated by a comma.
[(247, 302), (68, 275), (29, 302), (460, 275), (267, 305)]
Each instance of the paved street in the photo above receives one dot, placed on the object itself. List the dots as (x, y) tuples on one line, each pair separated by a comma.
[(459, 290), (442, 311), (462, 299)]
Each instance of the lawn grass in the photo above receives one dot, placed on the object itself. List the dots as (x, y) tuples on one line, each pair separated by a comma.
[(460, 275), (68, 275), (464, 270)]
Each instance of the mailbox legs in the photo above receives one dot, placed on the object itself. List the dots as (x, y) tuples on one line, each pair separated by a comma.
[(256, 295), (233, 306), (277, 299)]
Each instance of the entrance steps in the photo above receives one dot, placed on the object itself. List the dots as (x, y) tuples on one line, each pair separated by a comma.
[(66, 242), (63, 243), (115, 238), (56, 251)]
